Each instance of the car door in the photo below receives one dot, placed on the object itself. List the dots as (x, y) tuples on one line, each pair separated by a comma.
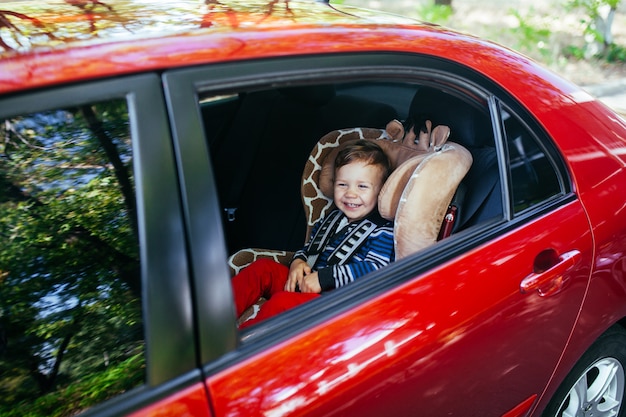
[(94, 286), (473, 326), (477, 336)]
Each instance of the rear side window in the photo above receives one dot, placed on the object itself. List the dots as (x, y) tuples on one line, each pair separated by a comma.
[(71, 332), (534, 177)]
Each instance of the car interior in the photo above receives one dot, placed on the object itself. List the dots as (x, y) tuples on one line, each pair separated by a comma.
[(260, 141)]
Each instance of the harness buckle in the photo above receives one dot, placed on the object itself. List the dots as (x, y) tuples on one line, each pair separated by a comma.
[(230, 213)]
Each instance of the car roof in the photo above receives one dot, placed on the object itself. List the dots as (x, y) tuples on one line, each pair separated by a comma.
[(44, 43), (30, 26), (84, 39)]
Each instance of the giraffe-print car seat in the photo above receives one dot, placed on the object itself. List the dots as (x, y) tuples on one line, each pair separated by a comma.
[(416, 195)]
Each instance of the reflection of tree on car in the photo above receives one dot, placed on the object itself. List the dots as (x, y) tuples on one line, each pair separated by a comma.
[(95, 17), (69, 267)]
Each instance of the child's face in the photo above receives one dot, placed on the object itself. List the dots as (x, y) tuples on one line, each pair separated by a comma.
[(356, 189)]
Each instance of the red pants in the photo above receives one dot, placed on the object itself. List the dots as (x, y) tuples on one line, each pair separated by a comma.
[(265, 278)]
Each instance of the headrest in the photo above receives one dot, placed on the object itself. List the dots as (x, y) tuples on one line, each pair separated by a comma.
[(466, 123), (418, 193)]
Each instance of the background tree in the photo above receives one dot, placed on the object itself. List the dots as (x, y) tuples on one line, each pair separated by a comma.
[(70, 289), (598, 23)]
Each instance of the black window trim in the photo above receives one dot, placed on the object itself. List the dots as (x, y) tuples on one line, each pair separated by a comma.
[(547, 146), (166, 289)]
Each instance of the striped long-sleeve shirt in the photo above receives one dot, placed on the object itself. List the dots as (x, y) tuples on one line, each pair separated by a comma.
[(375, 252)]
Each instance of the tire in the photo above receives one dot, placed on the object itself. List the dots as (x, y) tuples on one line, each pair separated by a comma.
[(595, 386)]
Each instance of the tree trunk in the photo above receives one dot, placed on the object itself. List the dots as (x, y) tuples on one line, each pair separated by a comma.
[(444, 2), (604, 23)]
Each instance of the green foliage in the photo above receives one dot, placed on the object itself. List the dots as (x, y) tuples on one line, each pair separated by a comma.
[(84, 394), (616, 53), (592, 7), (531, 39), (70, 310), (575, 52), (597, 28), (434, 13), (537, 41)]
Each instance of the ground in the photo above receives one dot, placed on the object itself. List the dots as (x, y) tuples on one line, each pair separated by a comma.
[(497, 21)]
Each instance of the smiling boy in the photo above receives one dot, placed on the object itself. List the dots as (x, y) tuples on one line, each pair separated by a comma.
[(350, 242)]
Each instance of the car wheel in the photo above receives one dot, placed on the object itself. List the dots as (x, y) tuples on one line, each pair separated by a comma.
[(595, 387)]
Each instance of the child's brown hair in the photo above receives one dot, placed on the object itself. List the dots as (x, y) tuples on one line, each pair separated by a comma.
[(365, 151)]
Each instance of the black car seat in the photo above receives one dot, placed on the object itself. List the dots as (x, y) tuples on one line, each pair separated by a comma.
[(471, 127)]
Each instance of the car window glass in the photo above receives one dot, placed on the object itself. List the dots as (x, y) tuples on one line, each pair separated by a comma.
[(261, 139), (534, 178), (71, 332)]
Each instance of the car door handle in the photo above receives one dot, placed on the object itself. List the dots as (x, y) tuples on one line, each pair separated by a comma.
[(548, 278)]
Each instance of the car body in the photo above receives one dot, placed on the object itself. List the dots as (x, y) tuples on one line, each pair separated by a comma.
[(145, 142)]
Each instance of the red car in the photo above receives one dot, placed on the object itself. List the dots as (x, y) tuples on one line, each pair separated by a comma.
[(144, 143)]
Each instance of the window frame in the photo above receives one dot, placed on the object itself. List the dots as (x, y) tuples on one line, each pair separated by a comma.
[(166, 289), (183, 89), (544, 144)]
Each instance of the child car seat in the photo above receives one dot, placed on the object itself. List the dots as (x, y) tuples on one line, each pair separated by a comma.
[(415, 196)]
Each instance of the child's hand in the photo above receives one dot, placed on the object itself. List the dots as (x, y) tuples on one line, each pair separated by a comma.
[(297, 271), (311, 283)]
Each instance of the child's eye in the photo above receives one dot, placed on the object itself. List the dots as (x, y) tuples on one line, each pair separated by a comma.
[(340, 184), (364, 186)]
